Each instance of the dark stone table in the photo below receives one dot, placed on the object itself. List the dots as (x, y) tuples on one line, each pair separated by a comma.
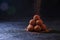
[(15, 31)]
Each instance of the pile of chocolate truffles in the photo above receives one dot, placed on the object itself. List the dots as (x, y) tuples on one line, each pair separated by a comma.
[(36, 24)]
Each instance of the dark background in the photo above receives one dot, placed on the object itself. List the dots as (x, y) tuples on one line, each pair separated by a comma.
[(50, 9)]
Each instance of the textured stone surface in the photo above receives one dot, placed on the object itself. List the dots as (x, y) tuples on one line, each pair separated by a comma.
[(15, 31)]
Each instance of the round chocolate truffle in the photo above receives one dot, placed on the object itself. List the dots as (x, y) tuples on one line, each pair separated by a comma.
[(36, 17), (30, 27), (37, 28), (32, 22), (39, 22), (43, 26)]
